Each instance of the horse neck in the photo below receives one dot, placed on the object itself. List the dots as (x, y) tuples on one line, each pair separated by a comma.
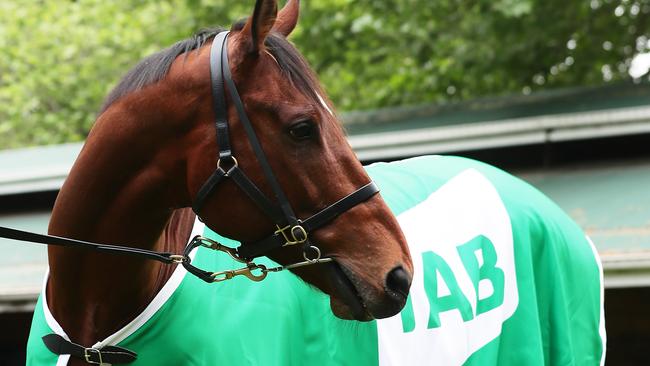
[(124, 191)]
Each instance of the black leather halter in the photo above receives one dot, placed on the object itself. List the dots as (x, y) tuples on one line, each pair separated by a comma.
[(290, 229)]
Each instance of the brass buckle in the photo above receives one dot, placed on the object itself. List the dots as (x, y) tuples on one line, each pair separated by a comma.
[(88, 352), (316, 250), (293, 230)]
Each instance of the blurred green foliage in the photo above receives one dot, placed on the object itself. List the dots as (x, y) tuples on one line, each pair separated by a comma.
[(58, 59)]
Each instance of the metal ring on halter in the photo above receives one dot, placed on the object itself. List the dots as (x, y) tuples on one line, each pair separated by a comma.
[(235, 164), (301, 236), (315, 249)]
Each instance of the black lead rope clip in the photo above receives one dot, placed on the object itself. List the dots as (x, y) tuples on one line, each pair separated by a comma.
[(253, 271)]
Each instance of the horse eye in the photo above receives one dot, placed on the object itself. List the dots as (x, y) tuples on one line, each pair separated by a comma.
[(302, 130)]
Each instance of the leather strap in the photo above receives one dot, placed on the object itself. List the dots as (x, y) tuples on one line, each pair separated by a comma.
[(344, 204), (201, 274), (218, 98), (106, 355), (256, 249), (252, 138), (256, 195), (15, 234), (207, 189), (220, 71)]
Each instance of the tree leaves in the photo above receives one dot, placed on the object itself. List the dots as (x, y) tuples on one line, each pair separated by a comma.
[(59, 59)]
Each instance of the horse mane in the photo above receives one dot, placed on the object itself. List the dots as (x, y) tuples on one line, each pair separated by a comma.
[(155, 67)]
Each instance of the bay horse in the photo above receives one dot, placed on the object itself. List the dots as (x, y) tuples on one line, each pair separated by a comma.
[(153, 146)]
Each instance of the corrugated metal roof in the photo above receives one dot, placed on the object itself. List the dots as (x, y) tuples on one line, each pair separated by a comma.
[(545, 103), (611, 203), (549, 117), (413, 141), (23, 264), (36, 169)]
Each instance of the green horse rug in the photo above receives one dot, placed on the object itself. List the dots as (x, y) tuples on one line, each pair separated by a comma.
[(502, 277)]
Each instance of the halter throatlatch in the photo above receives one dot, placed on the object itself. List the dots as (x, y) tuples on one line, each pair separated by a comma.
[(289, 229)]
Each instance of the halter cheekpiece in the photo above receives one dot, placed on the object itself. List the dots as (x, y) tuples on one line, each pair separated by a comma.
[(289, 229)]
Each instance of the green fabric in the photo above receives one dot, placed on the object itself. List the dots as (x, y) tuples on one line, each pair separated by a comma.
[(559, 312), (283, 321), (558, 316), (37, 353)]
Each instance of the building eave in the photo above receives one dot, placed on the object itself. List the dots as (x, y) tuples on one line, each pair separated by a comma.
[(502, 133)]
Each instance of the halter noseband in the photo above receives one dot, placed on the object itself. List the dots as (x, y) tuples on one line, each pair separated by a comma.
[(290, 229)]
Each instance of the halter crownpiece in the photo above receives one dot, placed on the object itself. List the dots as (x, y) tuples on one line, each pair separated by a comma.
[(289, 229)]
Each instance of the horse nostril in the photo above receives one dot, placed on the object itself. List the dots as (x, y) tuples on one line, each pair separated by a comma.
[(398, 281)]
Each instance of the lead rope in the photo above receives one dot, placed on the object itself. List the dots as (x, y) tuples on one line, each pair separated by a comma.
[(165, 257)]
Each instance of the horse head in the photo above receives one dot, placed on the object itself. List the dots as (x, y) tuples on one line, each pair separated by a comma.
[(307, 152)]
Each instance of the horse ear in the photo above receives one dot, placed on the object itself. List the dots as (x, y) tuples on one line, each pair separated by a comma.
[(259, 25), (287, 18)]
